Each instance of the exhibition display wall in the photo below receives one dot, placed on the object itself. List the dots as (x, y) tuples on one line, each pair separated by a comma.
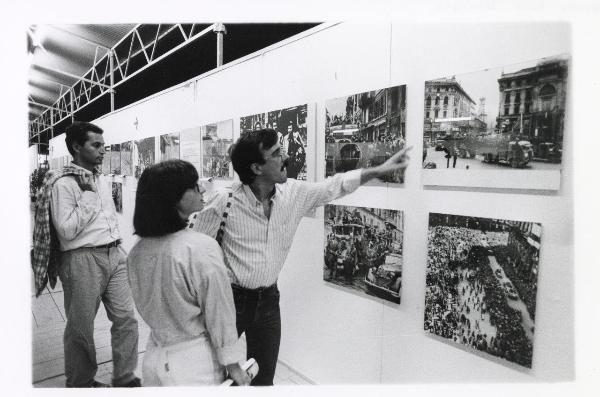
[(336, 332)]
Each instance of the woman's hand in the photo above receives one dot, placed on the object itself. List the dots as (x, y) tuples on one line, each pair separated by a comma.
[(238, 375)]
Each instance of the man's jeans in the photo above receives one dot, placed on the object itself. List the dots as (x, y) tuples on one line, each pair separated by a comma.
[(88, 276), (257, 314)]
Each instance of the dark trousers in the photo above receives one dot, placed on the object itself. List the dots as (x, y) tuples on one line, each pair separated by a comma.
[(257, 314)]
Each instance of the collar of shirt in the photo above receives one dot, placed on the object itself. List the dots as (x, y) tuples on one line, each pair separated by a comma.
[(252, 200), (95, 171)]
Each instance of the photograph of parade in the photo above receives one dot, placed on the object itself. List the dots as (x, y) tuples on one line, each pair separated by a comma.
[(510, 116), (126, 159), (290, 124), (363, 250), (481, 284), (364, 130), (143, 155), (169, 146), (217, 139)]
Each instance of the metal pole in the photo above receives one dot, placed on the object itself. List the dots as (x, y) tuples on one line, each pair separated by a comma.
[(112, 80), (220, 30), (71, 94)]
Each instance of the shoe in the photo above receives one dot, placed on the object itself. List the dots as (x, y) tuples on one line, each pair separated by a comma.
[(95, 383), (135, 382)]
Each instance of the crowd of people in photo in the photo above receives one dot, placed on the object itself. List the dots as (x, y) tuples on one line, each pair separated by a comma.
[(464, 300)]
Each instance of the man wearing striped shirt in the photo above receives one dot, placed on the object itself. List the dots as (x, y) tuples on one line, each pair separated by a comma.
[(255, 222)]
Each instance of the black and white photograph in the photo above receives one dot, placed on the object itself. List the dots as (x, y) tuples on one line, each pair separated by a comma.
[(481, 284), (363, 250), (143, 155), (106, 160), (190, 147), (169, 146), (115, 159), (117, 194), (127, 158), (364, 130), (253, 122), (217, 139), (290, 124), (499, 119)]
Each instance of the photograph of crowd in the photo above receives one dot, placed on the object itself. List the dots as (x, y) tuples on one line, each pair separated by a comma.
[(364, 130), (143, 155), (363, 250), (126, 159), (509, 117), (290, 124), (217, 139), (169, 146), (117, 194), (481, 284), (115, 159)]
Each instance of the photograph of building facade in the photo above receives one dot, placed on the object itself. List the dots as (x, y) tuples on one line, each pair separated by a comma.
[(481, 284), (524, 126), (363, 250), (190, 149), (126, 158), (169, 146), (364, 130), (115, 159), (143, 155), (106, 160), (217, 139), (117, 195)]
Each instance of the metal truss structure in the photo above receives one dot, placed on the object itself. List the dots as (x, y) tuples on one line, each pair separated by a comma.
[(142, 47)]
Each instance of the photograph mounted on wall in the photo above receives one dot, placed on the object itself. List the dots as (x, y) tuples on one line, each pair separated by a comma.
[(496, 122), (216, 142), (169, 146), (481, 284), (363, 250), (126, 159), (117, 194), (290, 124), (115, 159), (253, 122), (143, 155), (106, 160), (189, 141), (364, 130)]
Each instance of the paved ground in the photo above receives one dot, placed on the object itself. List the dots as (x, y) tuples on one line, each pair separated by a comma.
[(477, 163)]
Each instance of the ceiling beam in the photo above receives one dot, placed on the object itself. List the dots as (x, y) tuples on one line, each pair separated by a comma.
[(74, 76), (78, 36)]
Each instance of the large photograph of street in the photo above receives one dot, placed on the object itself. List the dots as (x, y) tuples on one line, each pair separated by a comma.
[(290, 124), (363, 250), (217, 139), (510, 117), (481, 284), (364, 130)]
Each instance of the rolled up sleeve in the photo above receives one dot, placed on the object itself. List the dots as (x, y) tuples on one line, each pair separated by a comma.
[(321, 193)]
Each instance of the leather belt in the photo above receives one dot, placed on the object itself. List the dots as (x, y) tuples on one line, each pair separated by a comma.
[(109, 245)]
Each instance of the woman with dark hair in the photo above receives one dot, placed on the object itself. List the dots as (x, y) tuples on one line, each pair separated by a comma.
[(180, 284)]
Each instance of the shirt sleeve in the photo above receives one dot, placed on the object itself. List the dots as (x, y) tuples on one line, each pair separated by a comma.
[(72, 209), (216, 300), (321, 193), (207, 221)]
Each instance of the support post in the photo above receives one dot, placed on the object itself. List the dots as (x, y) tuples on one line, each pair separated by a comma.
[(220, 30)]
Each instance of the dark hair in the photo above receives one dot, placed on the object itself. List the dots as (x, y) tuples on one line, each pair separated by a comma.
[(77, 133), (247, 150), (159, 189)]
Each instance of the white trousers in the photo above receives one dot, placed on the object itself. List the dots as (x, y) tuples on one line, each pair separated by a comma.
[(187, 363)]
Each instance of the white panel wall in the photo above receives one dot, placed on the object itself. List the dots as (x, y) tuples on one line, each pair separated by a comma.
[(330, 335)]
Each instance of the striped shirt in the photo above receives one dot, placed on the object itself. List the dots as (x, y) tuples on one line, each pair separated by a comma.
[(255, 247)]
